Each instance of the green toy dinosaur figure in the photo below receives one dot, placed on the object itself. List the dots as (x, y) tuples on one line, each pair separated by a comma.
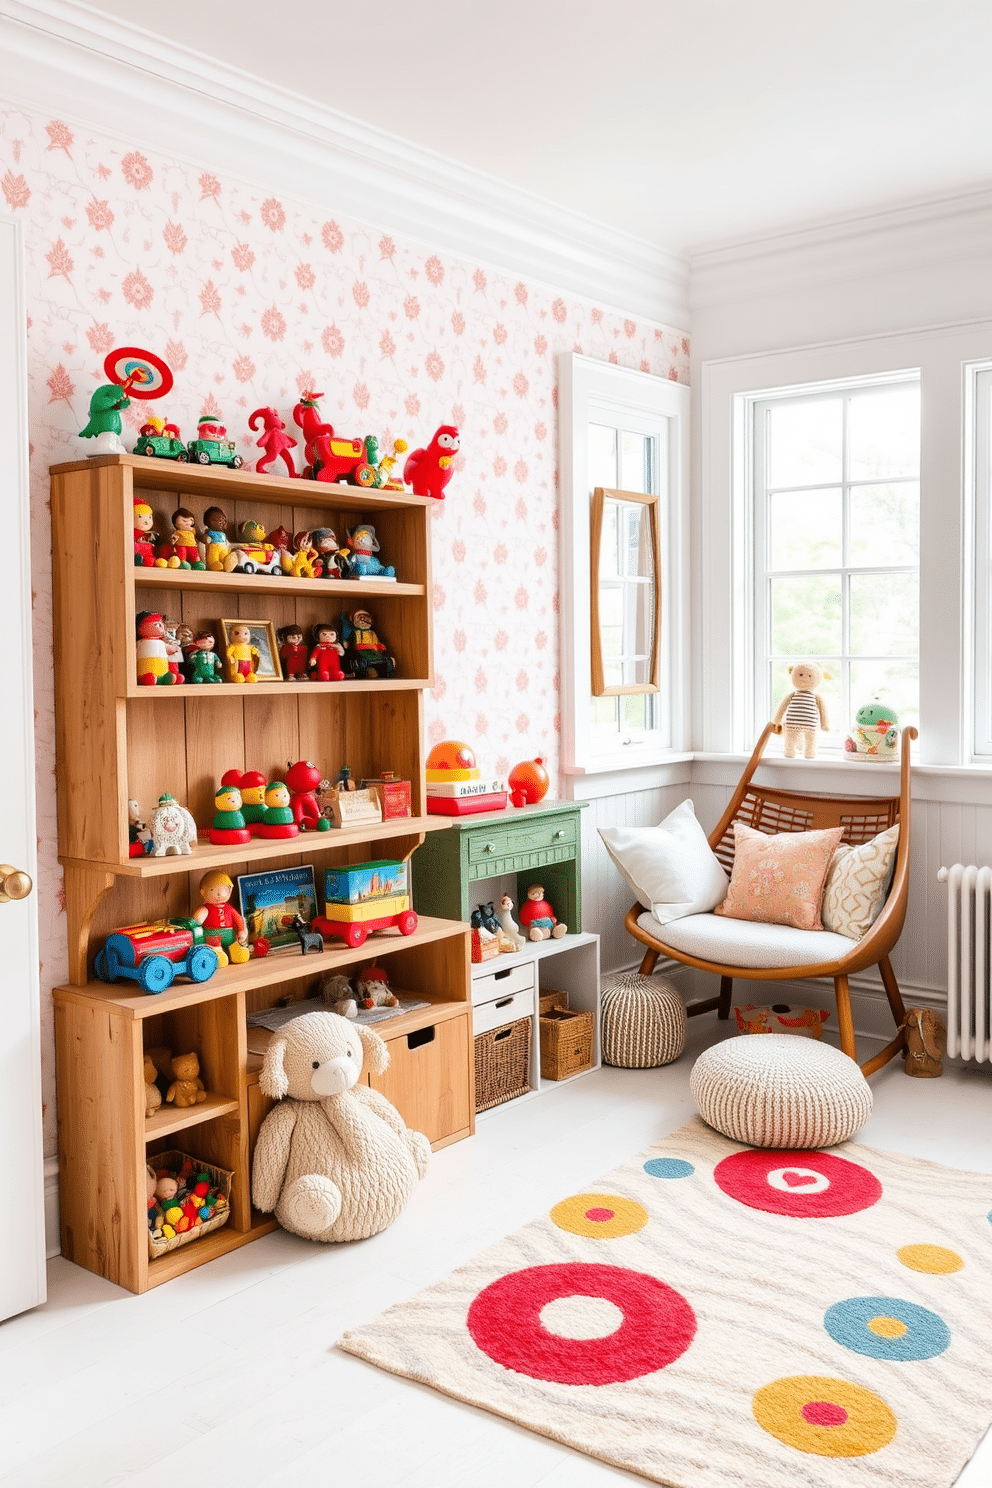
[(105, 419)]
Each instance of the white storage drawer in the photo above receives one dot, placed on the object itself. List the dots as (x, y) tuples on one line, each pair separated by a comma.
[(505, 1009), (500, 981)]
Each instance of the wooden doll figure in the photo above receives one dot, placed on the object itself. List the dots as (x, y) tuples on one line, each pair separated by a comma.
[(242, 656), (223, 927), (152, 652), (202, 664), (293, 653), (325, 658)]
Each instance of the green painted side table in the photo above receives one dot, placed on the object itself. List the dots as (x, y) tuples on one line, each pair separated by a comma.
[(540, 844)]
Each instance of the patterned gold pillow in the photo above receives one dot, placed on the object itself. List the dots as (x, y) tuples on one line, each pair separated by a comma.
[(778, 878), (857, 883)]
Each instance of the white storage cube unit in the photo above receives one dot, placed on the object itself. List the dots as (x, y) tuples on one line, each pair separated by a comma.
[(510, 986)]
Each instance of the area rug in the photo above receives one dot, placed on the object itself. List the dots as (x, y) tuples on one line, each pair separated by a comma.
[(710, 1316)]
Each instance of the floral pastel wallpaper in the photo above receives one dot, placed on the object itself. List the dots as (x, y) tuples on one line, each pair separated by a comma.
[(252, 297)]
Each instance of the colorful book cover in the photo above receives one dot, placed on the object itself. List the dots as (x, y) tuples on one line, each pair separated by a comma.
[(270, 902)]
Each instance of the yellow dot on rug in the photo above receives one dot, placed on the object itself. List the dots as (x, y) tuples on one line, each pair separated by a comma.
[(936, 1260), (823, 1416), (600, 1216), (887, 1327)]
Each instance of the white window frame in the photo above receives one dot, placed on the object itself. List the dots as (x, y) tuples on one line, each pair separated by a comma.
[(722, 651), (978, 449), (597, 392), (756, 495)]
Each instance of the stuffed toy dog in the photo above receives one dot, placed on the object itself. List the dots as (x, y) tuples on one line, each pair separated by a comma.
[(334, 1160)]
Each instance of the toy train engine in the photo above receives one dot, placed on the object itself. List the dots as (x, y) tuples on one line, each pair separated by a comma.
[(154, 954)]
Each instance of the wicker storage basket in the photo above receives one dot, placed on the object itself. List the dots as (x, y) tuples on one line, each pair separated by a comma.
[(566, 1042), (551, 1000), (219, 1178), (502, 1064)]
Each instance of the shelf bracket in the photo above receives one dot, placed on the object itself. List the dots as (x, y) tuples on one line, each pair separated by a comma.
[(85, 888)]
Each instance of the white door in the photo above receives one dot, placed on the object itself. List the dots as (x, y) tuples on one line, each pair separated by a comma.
[(22, 1267)]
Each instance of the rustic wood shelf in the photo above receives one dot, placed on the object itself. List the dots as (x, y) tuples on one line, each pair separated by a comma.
[(259, 583), (116, 740), (206, 855), (169, 1119)]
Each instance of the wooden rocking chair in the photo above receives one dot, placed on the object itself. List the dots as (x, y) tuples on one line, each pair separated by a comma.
[(773, 811)]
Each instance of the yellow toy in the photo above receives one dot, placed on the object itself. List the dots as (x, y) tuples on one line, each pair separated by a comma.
[(242, 657), (802, 711), (187, 1087)]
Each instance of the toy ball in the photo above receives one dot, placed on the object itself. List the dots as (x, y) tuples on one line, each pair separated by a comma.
[(529, 782), (452, 754)]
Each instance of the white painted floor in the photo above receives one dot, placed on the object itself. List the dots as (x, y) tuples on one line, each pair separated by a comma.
[(229, 1375)]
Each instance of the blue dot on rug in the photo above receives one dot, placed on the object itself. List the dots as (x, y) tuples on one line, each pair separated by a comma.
[(670, 1167), (887, 1328)]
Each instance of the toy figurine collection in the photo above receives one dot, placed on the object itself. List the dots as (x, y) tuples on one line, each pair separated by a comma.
[(328, 456)]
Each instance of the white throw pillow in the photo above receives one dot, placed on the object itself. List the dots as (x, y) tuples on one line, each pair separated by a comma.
[(857, 882), (671, 868)]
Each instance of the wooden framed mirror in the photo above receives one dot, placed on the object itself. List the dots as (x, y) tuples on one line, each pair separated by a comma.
[(625, 606)]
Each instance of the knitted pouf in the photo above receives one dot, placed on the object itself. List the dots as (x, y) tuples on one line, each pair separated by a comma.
[(643, 1021), (780, 1091)]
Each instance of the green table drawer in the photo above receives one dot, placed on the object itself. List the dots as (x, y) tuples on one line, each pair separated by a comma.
[(537, 836)]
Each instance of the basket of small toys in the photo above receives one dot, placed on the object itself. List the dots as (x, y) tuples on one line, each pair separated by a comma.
[(566, 1040), (186, 1200), (502, 1064)]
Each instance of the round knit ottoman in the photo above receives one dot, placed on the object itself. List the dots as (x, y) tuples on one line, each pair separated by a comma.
[(643, 1019), (778, 1091)]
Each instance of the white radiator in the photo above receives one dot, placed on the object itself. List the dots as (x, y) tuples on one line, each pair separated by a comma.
[(969, 961)]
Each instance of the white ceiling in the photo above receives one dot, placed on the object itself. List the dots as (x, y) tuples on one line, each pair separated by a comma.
[(685, 123)]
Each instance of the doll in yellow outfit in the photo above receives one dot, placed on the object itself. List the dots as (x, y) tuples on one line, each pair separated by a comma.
[(242, 657)]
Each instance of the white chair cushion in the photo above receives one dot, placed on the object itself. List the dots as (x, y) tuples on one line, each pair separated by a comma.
[(747, 943), (777, 1091), (670, 867)]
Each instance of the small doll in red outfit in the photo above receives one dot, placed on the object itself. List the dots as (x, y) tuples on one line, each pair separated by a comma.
[(325, 658), (223, 927), (293, 653)]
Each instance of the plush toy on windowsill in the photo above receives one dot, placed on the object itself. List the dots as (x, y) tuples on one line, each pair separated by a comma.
[(802, 711), (875, 734)]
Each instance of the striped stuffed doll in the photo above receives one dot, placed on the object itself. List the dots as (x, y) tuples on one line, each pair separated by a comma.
[(802, 712)]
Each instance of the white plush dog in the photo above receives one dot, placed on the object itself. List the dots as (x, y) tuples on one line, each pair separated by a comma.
[(173, 828), (334, 1160)]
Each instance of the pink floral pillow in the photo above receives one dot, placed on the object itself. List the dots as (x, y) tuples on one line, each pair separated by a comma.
[(779, 879)]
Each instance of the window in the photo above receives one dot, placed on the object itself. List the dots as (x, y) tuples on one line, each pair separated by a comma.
[(836, 507), (980, 409), (621, 431)]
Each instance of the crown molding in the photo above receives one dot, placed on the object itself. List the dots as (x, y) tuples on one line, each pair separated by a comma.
[(83, 66), (943, 229)]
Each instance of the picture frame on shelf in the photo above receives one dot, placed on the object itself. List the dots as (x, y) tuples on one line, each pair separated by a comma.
[(263, 641), (271, 901)]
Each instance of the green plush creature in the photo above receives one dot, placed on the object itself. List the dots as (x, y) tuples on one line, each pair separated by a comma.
[(875, 735), (105, 419)]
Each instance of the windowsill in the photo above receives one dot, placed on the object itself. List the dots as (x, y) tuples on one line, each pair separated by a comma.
[(626, 761)]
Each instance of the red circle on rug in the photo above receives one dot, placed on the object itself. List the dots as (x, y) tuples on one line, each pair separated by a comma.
[(658, 1324), (823, 1413), (600, 1216), (806, 1185)]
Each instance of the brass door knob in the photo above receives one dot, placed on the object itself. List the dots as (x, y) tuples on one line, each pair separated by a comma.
[(14, 884)]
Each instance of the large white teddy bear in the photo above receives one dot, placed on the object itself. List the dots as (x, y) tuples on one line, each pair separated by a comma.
[(334, 1160)]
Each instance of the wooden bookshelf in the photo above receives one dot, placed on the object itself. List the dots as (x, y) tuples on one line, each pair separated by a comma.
[(116, 740)]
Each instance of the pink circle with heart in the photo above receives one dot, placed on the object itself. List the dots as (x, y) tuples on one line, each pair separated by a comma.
[(808, 1185)]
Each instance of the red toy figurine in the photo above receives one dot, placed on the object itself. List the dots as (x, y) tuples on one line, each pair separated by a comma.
[(537, 918), (223, 927), (293, 653), (429, 470), (326, 655), (278, 820), (306, 416), (144, 537), (303, 779), (229, 823), (273, 440)]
